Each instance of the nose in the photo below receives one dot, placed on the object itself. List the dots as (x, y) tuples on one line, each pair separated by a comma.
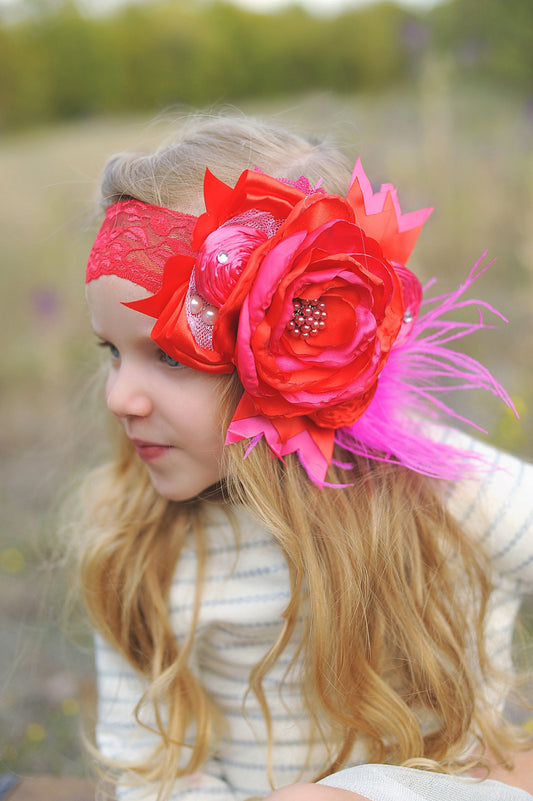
[(127, 394)]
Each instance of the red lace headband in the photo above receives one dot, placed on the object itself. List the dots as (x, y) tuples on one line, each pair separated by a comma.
[(136, 240), (307, 295)]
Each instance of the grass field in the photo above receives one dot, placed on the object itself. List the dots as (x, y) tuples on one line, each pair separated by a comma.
[(468, 154)]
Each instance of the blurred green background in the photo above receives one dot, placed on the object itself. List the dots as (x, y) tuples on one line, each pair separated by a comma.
[(437, 101)]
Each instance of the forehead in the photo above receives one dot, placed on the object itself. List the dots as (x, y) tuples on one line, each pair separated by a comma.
[(106, 297)]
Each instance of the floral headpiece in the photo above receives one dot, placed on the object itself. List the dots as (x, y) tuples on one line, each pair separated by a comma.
[(306, 294)]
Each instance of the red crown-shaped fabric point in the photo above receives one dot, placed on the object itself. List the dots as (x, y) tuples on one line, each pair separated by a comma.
[(380, 216)]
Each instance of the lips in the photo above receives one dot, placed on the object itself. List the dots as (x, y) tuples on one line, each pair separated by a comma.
[(150, 451)]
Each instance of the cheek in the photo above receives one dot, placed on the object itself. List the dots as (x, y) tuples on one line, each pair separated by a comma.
[(113, 388), (208, 413), (108, 386), (191, 406)]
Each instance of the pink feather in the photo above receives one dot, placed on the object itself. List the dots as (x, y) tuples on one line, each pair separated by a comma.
[(413, 385)]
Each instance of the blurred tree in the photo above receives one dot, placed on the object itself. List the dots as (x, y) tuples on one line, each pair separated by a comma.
[(495, 45), (366, 48), (59, 62), (71, 61)]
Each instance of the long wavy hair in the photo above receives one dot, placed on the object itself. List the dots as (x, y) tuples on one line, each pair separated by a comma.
[(392, 592)]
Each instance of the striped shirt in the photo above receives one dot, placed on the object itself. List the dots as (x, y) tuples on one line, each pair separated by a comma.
[(246, 590)]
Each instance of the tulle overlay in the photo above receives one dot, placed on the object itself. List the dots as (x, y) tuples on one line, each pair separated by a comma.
[(306, 294)]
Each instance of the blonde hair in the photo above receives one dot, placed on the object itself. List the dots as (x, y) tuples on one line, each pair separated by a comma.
[(388, 640)]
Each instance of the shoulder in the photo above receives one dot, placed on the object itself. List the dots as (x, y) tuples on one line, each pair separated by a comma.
[(494, 506)]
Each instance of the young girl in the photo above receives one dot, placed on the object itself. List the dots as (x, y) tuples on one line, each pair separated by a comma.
[(297, 574)]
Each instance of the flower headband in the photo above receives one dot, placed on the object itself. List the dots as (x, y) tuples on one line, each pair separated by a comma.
[(306, 294)]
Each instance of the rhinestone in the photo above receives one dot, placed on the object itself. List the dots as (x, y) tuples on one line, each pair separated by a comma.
[(222, 257), (408, 317)]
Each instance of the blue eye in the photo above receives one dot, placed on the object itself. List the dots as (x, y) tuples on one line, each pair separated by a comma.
[(169, 360), (113, 351)]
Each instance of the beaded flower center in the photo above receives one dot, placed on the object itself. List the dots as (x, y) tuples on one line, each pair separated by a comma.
[(308, 317)]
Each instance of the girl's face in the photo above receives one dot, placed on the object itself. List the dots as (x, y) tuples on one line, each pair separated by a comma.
[(169, 411)]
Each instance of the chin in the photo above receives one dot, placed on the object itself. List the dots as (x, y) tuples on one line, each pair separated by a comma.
[(187, 491)]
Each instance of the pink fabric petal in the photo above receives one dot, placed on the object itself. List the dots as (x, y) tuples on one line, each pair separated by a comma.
[(309, 453), (375, 201)]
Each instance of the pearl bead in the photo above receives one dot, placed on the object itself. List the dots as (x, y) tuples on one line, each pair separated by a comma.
[(408, 317), (195, 304), (209, 315), (222, 257), (307, 318)]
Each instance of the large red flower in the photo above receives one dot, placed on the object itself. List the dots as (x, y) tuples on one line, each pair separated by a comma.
[(291, 289), (319, 320)]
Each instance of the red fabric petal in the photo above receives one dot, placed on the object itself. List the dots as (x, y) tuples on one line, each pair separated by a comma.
[(253, 190), (171, 330)]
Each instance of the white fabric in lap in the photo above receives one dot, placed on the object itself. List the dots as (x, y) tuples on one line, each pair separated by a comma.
[(391, 783)]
